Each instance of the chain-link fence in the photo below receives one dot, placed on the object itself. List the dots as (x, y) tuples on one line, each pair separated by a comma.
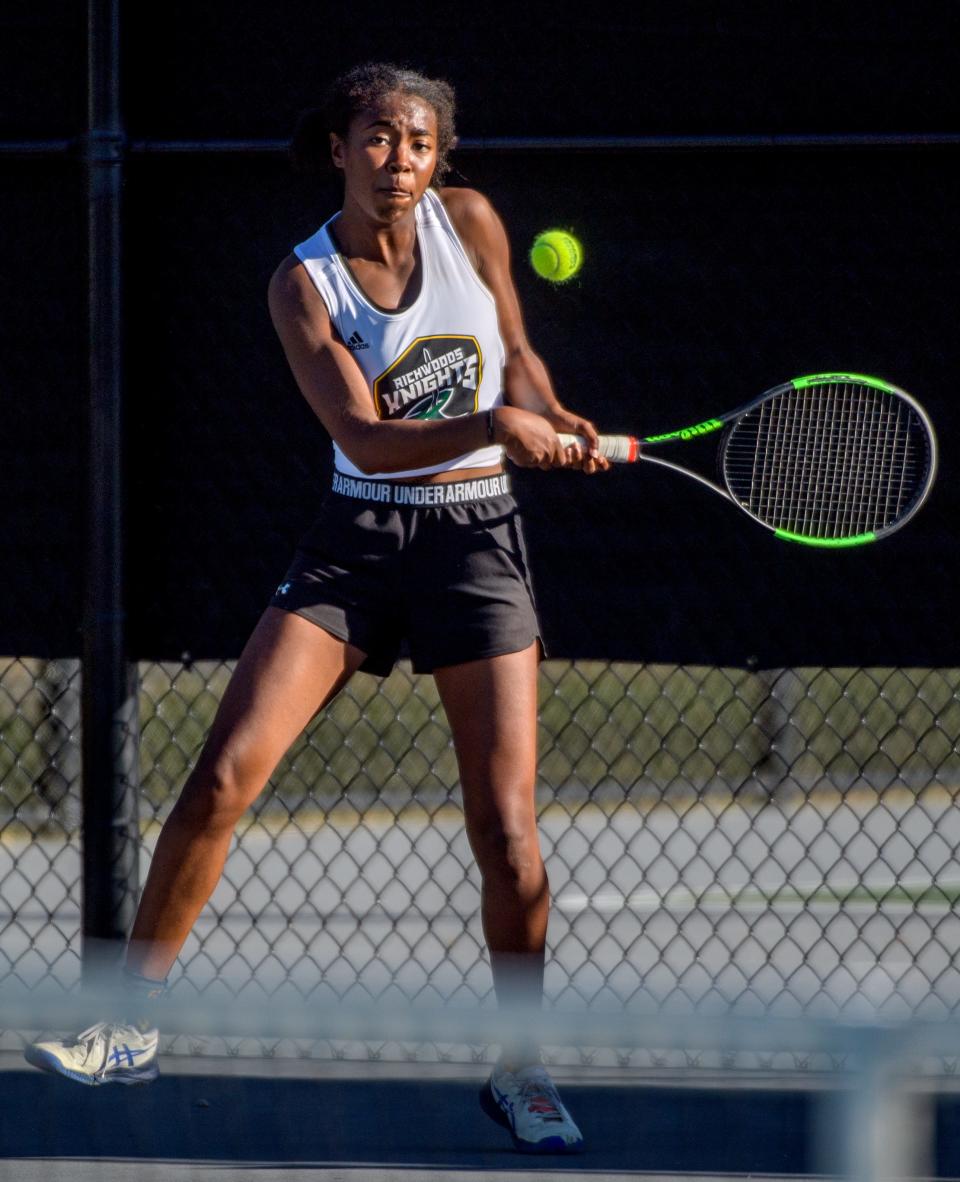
[(40, 820), (787, 837)]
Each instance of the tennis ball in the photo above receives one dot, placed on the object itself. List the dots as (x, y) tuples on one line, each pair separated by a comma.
[(556, 255)]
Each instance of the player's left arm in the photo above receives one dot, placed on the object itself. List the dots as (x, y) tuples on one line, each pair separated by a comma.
[(526, 380)]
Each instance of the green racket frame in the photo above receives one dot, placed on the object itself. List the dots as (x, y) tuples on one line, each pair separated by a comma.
[(832, 460)]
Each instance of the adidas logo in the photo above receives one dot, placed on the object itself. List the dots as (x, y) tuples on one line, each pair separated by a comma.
[(356, 341)]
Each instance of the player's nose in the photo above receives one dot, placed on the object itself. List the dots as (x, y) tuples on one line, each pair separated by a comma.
[(399, 160)]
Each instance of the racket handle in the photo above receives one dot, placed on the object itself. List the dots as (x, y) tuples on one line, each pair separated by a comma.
[(620, 449)]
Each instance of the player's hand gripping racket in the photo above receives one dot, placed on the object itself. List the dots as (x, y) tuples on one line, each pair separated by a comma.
[(835, 459)]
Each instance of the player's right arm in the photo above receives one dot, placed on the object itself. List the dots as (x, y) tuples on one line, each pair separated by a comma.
[(334, 386)]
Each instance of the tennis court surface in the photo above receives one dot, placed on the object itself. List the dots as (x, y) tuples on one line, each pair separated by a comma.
[(258, 1120), (262, 1120)]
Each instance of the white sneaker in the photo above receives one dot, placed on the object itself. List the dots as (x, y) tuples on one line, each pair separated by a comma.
[(527, 1103), (106, 1053)]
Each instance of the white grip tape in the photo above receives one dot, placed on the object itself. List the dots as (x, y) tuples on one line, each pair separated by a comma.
[(619, 449)]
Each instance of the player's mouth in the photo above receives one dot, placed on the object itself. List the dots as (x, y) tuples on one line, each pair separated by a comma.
[(397, 192)]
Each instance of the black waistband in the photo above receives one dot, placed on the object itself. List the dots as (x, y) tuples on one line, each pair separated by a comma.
[(395, 492)]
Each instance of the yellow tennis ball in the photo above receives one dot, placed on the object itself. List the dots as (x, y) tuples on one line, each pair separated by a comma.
[(556, 255)]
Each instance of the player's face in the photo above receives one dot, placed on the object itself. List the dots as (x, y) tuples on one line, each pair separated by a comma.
[(388, 157)]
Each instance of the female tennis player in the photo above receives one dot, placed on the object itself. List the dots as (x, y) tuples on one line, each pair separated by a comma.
[(402, 327)]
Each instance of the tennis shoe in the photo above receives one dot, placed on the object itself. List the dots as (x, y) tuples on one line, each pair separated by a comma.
[(106, 1053), (527, 1103)]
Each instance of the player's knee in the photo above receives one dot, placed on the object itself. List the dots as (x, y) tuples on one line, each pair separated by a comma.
[(218, 792), (508, 854)]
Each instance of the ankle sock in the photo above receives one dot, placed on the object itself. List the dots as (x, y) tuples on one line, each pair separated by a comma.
[(142, 993)]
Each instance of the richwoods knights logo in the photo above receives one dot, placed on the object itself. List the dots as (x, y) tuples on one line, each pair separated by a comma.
[(436, 378)]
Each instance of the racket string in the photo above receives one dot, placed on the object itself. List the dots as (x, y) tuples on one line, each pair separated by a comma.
[(836, 460)]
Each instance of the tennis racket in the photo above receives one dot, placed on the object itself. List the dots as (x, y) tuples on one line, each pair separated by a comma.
[(835, 459)]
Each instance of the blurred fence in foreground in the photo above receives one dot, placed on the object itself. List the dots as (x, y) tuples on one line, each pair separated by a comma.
[(785, 838)]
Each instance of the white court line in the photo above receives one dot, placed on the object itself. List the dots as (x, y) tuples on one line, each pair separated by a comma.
[(753, 896)]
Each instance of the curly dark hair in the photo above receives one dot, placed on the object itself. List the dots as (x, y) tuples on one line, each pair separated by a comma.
[(363, 88)]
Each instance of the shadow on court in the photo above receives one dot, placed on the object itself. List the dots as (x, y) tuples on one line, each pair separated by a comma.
[(401, 1123)]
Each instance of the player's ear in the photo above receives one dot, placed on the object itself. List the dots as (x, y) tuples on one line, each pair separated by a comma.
[(337, 150)]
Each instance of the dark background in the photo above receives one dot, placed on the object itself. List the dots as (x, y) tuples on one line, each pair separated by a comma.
[(710, 276)]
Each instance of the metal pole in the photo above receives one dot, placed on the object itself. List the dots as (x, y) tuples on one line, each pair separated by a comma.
[(878, 1126), (746, 142), (110, 822)]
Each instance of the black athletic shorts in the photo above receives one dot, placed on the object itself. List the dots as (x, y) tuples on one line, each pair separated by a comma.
[(441, 567)]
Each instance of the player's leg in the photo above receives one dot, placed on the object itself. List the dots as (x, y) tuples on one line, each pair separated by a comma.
[(289, 669), (491, 705)]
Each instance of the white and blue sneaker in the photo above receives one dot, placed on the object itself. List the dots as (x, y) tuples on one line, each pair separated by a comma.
[(527, 1103), (106, 1053)]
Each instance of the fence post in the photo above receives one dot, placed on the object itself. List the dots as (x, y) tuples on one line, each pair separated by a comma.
[(110, 718)]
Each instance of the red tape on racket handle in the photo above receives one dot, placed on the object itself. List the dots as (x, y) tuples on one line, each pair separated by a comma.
[(619, 449)]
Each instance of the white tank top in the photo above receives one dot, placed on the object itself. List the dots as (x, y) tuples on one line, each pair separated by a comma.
[(439, 358)]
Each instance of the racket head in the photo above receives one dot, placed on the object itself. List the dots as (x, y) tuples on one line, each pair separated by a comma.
[(830, 460)]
